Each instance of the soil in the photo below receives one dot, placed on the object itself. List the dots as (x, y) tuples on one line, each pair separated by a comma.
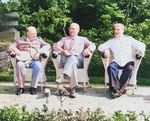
[(94, 98)]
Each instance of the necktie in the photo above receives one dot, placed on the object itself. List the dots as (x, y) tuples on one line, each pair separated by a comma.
[(71, 43)]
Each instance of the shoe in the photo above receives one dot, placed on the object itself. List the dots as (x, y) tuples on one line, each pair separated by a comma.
[(112, 90), (116, 95), (71, 91), (32, 90), (73, 94), (60, 79), (20, 91), (125, 91)]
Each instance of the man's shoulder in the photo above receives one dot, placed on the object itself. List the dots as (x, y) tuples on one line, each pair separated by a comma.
[(81, 37), (128, 36), (67, 37), (111, 39), (21, 39), (39, 38)]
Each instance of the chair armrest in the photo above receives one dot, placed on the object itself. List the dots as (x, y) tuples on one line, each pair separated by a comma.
[(54, 54), (13, 59), (103, 54), (12, 54), (87, 56), (43, 55), (87, 60), (138, 56)]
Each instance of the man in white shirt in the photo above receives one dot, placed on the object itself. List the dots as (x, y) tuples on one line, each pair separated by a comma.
[(121, 46)]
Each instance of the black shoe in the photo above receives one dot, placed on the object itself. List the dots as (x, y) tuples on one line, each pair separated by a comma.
[(20, 91), (112, 90), (72, 93), (32, 91), (125, 91)]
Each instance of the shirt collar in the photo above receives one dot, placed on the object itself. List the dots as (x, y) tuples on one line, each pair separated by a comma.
[(120, 37), (75, 37), (27, 39)]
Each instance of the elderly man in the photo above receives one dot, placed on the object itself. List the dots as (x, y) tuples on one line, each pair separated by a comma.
[(73, 48), (121, 46), (27, 52)]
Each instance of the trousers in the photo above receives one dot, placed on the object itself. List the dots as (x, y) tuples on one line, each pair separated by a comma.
[(36, 72), (113, 70), (70, 65)]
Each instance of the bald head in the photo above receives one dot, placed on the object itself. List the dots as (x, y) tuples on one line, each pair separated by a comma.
[(74, 29), (119, 25), (31, 33)]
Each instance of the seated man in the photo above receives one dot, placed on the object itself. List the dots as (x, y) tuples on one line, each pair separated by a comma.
[(74, 48), (34, 46), (121, 46)]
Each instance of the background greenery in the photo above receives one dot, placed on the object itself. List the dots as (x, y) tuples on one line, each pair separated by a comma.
[(96, 18)]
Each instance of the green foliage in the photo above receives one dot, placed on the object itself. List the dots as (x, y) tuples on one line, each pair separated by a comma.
[(7, 7), (50, 23), (144, 69), (96, 19), (20, 114)]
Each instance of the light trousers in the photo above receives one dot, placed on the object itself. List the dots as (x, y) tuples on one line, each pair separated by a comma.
[(36, 72), (70, 65)]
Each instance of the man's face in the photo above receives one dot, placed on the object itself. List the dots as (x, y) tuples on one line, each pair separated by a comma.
[(32, 34), (73, 30), (118, 31)]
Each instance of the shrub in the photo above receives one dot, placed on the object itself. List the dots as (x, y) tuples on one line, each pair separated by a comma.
[(20, 114)]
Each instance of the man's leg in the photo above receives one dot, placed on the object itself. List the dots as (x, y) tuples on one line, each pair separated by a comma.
[(113, 70), (37, 71), (70, 69), (20, 73), (126, 73)]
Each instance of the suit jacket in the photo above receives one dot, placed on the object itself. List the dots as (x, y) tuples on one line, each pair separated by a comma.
[(78, 46), (27, 47)]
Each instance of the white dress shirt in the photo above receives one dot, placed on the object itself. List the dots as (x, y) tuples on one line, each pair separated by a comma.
[(122, 48)]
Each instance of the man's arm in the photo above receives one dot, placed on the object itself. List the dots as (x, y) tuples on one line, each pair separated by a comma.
[(13, 48), (44, 46), (141, 47), (90, 47), (58, 47)]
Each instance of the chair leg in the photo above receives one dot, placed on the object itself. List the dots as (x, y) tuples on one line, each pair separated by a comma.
[(15, 86), (84, 83), (41, 87), (89, 85), (134, 86), (57, 87), (105, 86)]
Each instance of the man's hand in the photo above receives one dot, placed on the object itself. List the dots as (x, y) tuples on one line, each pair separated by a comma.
[(17, 51), (65, 52), (106, 53), (86, 52)]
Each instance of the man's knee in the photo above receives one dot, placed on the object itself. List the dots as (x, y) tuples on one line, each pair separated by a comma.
[(20, 64), (72, 57), (38, 65)]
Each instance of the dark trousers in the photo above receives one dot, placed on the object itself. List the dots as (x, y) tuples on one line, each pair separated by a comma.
[(113, 70)]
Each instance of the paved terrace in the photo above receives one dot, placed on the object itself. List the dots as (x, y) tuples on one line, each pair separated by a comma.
[(93, 99)]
